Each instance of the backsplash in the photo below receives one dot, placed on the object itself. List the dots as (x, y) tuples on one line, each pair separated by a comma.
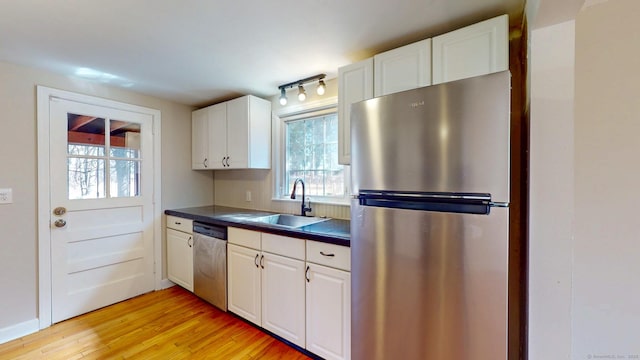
[(231, 186)]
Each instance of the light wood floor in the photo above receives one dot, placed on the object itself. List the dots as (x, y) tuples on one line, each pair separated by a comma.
[(167, 324)]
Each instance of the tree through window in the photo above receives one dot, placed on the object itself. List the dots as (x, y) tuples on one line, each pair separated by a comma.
[(311, 153)]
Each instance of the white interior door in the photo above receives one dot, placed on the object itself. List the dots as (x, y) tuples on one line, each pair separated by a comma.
[(101, 196)]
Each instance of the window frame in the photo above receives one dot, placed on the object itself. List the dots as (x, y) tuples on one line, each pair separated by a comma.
[(319, 108)]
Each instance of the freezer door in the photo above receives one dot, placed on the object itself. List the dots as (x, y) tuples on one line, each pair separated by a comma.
[(428, 285), (451, 137)]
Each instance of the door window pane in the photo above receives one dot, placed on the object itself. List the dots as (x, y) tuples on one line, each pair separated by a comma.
[(86, 178), (85, 135), (125, 178), (125, 139)]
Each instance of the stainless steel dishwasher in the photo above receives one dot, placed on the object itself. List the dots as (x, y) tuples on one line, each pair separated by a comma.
[(210, 263)]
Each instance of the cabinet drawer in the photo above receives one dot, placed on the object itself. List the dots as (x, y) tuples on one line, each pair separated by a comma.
[(180, 224), (242, 237), (283, 245), (335, 256)]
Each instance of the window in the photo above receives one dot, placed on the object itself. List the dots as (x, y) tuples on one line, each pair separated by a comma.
[(99, 166), (311, 153)]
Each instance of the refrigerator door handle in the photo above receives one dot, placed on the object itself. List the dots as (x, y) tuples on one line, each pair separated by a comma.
[(499, 204), (467, 203)]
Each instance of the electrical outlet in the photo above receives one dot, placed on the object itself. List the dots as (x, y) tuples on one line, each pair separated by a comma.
[(248, 196), (6, 196)]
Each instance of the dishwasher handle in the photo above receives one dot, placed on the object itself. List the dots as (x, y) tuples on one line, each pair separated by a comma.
[(215, 231)]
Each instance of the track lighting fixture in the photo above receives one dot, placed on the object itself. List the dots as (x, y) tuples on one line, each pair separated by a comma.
[(302, 94)]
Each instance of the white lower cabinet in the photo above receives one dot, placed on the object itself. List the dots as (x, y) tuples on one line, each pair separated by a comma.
[(328, 309), (243, 282), (328, 312), (283, 293), (305, 302), (266, 288), (180, 251)]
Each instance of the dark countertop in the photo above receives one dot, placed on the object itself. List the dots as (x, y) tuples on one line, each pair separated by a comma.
[(334, 231)]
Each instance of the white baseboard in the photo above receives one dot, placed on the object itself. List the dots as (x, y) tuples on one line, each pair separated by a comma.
[(18, 330), (165, 284)]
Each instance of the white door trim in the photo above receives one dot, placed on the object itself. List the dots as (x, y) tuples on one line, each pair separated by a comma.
[(44, 203)]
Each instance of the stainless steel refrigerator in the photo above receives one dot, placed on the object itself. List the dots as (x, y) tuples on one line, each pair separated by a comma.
[(430, 222)]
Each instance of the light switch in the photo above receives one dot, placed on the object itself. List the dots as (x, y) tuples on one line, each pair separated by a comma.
[(6, 196)]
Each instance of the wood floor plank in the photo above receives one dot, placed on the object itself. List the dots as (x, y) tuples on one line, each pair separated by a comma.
[(170, 324)]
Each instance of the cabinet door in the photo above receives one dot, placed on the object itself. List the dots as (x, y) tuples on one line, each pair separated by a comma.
[(474, 50), (404, 68), (283, 305), (355, 83), (243, 282), (200, 139), (180, 258), (238, 132), (217, 135), (328, 312)]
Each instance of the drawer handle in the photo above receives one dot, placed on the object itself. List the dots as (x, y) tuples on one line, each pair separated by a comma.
[(327, 255), (178, 223), (306, 274)]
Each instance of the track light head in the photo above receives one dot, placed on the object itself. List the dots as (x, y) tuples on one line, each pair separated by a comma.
[(283, 97), (321, 87), (302, 95)]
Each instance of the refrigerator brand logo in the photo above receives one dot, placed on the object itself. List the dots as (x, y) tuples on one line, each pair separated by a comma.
[(417, 103)]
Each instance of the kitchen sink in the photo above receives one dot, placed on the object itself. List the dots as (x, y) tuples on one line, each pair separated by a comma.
[(292, 221)]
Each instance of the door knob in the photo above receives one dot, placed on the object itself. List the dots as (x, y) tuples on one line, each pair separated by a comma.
[(60, 223), (59, 211)]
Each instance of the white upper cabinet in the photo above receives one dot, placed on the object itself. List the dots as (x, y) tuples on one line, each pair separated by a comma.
[(237, 135), (474, 50), (404, 68), (217, 136), (199, 139), (478, 49), (355, 83), (249, 133)]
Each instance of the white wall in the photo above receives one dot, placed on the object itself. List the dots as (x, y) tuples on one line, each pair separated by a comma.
[(18, 222), (551, 191), (606, 280), (584, 244)]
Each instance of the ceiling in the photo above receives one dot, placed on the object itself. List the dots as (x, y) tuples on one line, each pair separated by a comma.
[(198, 52)]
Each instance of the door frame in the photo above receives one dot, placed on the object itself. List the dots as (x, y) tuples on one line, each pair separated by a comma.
[(43, 96)]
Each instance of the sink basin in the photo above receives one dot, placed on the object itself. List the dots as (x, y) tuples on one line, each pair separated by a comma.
[(292, 221)]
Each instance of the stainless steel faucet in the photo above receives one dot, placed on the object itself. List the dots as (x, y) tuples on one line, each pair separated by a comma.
[(303, 208)]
